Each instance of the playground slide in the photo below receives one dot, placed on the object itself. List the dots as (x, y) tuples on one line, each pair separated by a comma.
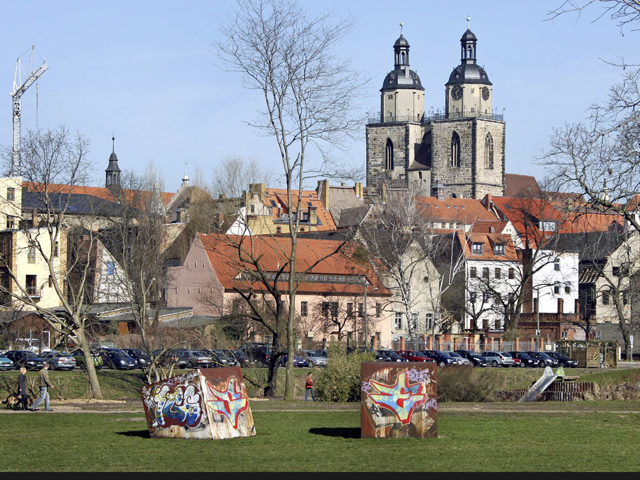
[(540, 386)]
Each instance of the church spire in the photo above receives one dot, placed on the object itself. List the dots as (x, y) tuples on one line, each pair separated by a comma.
[(113, 171)]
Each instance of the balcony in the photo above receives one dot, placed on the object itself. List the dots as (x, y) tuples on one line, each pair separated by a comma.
[(435, 116)]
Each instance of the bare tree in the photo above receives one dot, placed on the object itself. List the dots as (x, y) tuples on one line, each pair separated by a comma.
[(234, 174), (286, 54), (54, 162)]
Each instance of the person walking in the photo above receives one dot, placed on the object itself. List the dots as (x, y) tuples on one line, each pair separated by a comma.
[(22, 388), (309, 388), (45, 385)]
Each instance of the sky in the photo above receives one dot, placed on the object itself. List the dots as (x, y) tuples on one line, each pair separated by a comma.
[(144, 72)]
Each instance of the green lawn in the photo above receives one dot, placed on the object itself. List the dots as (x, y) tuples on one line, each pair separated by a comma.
[(525, 438)]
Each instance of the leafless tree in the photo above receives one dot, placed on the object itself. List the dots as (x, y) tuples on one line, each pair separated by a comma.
[(54, 162), (285, 53), (234, 174)]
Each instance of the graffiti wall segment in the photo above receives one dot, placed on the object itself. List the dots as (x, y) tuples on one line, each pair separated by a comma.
[(398, 401), (208, 403)]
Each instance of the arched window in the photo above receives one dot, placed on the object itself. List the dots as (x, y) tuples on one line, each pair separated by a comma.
[(488, 152), (388, 155), (455, 150)]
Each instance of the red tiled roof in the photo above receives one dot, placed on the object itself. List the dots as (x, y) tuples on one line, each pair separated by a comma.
[(99, 192), (464, 210), (488, 240), (223, 254), (308, 197)]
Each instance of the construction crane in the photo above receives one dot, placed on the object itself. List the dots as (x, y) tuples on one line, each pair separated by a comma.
[(19, 87)]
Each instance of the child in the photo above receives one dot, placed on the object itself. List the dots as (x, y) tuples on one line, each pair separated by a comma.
[(309, 388)]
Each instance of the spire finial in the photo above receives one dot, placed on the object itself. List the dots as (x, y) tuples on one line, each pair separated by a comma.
[(468, 22), (113, 139), (401, 25)]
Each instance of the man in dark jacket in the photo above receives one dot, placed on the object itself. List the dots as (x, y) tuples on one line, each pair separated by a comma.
[(44, 384), (22, 388)]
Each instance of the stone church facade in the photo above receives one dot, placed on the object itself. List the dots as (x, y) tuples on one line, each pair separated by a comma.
[(459, 153)]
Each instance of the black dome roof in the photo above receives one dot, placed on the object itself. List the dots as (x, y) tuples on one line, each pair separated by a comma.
[(402, 78), (469, 73)]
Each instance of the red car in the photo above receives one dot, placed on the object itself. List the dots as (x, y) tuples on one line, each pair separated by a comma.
[(414, 356)]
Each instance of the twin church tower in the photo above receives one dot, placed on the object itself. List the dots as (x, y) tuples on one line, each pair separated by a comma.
[(459, 153)]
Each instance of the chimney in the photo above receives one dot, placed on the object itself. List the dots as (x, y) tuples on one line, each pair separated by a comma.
[(487, 201), (260, 189), (323, 193), (359, 191)]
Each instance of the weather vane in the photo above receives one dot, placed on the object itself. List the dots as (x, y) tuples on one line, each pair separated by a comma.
[(401, 25), (468, 22)]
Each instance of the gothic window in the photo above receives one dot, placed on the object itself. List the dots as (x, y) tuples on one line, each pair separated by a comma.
[(388, 155), (488, 152), (455, 150)]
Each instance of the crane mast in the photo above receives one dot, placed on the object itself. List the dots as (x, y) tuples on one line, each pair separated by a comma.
[(19, 87)]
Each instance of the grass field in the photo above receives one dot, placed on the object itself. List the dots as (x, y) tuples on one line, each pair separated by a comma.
[(554, 437)]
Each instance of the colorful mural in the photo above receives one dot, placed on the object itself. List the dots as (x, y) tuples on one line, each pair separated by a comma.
[(398, 400), (204, 403)]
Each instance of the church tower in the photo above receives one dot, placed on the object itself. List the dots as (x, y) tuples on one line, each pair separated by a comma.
[(462, 151), (393, 138), (113, 172)]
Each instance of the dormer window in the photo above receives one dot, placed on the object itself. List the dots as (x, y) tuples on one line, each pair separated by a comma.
[(548, 226), (477, 248), (499, 249)]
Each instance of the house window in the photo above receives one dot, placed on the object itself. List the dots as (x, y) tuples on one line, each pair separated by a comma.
[(477, 248), (498, 249), (330, 308), (485, 297), (31, 253), (485, 272), (428, 321), (488, 152), (498, 273), (11, 222), (110, 268), (556, 288), (567, 289), (472, 272), (303, 309), (625, 298), (388, 159), (615, 271), (349, 309), (556, 264), (398, 321), (360, 310), (472, 297), (56, 249), (378, 310), (512, 273), (605, 298), (11, 194), (32, 285)]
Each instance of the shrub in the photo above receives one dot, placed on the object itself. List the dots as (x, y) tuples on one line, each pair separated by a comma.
[(466, 384), (339, 381)]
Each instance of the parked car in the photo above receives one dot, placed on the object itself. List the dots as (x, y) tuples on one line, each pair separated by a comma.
[(497, 359), (25, 358), (139, 355), (322, 352), (219, 358), (526, 360), (314, 359), (461, 360), (59, 360), (564, 360), (476, 359), (441, 357), (298, 361), (233, 356), (545, 360), (98, 360), (415, 356), (5, 362), (257, 353), (117, 359), (240, 357), (192, 358), (389, 356)]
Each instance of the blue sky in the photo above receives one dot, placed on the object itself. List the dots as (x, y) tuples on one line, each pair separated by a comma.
[(144, 72)]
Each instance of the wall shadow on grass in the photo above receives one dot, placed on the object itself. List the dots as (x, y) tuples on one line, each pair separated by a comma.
[(336, 432), (136, 433)]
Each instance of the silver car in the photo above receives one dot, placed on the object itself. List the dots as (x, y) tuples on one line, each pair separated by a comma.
[(313, 358), (461, 360), (59, 360), (498, 359)]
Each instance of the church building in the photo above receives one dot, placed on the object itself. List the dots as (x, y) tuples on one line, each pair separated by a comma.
[(457, 154)]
